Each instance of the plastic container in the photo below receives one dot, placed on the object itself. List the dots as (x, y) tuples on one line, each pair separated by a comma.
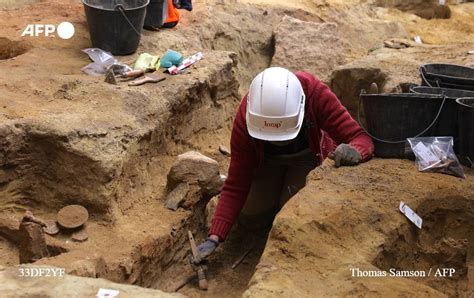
[(466, 130), (392, 118), (450, 93), (156, 14), (115, 25), (447, 76), (448, 120)]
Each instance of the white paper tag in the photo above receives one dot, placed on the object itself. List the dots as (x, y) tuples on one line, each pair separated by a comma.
[(442, 2), (411, 215), (425, 153), (106, 293)]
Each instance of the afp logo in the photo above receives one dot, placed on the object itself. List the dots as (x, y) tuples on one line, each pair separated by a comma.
[(65, 30)]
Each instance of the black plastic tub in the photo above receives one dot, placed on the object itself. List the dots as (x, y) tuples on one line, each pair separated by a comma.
[(156, 14), (450, 93), (448, 120), (466, 130), (115, 25), (447, 76), (392, 118)]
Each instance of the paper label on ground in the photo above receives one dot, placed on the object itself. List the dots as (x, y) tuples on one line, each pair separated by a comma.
[(425, 153), (411, 215), (105, 293)]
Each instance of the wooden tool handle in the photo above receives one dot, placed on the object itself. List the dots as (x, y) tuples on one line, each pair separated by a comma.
[(133, 73), (194, 250), (139, 81), (200, 270)]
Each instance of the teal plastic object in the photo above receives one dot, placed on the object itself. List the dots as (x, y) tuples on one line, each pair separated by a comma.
[(171, 58)]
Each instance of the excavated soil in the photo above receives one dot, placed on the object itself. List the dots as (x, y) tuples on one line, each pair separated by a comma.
[(68, 138), (357, 233), (446, 241), (10, 49)]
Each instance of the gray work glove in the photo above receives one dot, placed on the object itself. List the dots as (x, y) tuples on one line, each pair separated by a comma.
[(205, 249), (346, 155)]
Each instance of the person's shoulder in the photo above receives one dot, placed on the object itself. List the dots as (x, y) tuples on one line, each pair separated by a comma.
[(306, 76), (311, 84)]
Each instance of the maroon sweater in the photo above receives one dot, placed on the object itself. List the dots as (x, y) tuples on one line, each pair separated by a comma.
[(324, 115)]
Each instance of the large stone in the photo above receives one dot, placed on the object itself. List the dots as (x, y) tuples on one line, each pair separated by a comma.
[(14, 285), (307, 46), (32, 244), (194, 168), (92, 267), (9, 228)]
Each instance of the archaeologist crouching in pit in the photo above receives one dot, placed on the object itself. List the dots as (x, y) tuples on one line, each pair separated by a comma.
[(286, 126)]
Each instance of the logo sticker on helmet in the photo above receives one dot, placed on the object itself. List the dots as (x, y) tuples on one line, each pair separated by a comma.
[(273, 124)]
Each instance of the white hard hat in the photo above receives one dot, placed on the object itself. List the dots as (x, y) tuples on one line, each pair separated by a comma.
[(275, 105)]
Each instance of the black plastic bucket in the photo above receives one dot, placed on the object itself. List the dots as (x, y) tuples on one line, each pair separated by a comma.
[(392, 118), (115, 25), (448, 120), (156, 14), (447, 76), (450, 93), (466, 130)]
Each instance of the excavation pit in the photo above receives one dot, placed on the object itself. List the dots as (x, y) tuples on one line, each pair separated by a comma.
[(10, 49), (441, 254)]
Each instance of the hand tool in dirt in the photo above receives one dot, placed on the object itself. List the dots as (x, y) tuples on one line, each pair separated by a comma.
[(72, 216), (110, 77), (132, 74), (242, 257), (149, 78), (184, 282), (198, 268)]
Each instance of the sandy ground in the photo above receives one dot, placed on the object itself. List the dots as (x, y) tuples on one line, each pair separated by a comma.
[(46, 82), (349, 218)]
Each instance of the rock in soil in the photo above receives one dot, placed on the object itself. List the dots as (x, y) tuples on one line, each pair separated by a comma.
[(32, 244), (81, 235), (72, 216), (194, 168), (177, 196), (93, 267), (51, 227), (9, 229)]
